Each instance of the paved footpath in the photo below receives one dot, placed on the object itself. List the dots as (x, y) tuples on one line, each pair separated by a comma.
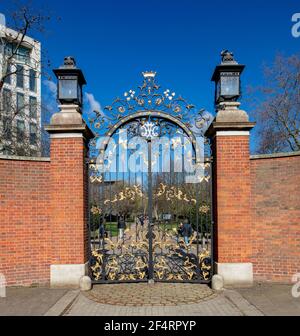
[(266, 299), (208, 303), (29, 301), (273, 300), (218, 306)]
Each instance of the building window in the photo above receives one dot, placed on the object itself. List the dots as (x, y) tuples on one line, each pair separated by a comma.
[(7, 79), (8, 49), (20, 76), (6, 100), (33, 107), (20, 103), (33, 134), (32, 80), (20, 130), (7, 126), (20, 53), (23, 54)]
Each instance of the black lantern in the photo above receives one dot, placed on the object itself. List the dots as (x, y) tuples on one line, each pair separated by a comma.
[(227, 78), (70, 82)]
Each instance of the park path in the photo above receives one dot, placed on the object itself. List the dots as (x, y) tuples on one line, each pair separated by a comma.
[(227, 303)]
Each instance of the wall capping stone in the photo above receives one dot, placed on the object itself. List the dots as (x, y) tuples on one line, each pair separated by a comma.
[(66, 135), (24, 158), (274, 156), (232, 133)]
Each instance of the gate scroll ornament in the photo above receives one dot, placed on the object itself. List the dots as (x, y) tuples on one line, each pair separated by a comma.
[(153, 249)]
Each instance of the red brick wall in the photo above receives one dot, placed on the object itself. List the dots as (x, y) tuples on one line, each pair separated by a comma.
[(69, 201), (275, 208), (232, 199), (24, 221), (43, 213)]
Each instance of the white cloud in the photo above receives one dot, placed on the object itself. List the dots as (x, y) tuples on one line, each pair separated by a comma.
[(2, 21), (50, 99), (51, 86), (93, 104), (50, 105)]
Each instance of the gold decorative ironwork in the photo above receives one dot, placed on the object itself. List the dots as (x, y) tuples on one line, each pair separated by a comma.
[(173, 260), (172, 193), (95, 179), (204, 209), (96, 210), (127, 194), (148, 97), (151, 112)]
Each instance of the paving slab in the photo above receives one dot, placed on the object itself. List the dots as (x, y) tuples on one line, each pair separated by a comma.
[(244, 306), (272, 299), (262, 299), (29, 301), (143, 294), (62, 306), (217, 306)]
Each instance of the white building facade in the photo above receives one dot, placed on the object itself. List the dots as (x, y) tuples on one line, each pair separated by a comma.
[(20, 66)]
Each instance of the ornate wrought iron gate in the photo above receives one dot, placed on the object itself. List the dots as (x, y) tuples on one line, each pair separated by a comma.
[(150, 190)]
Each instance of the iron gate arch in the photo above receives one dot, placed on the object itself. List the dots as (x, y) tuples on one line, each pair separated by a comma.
[(154, 221)]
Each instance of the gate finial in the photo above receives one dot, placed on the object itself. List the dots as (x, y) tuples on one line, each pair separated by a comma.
[(149, 74)]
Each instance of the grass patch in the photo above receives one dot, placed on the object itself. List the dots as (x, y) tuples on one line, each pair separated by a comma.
[(111, 228), (168, 226)]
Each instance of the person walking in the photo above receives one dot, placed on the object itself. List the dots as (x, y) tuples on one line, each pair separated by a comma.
[(141, 220), (179, 231), (101, 232), (187, 231), (121, 226)]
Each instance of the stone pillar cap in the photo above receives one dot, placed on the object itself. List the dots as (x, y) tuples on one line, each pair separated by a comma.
[(69, 120), (228, 126), (230, 112), (230, 118), (83, 129)]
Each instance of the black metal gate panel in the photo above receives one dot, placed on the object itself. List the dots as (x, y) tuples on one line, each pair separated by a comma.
[(150, 190)]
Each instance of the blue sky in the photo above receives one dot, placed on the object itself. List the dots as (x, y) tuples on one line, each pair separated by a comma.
[(114, 41)]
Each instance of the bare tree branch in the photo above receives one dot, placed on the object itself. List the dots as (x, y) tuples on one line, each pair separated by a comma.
[(278, 108), (21, 55)]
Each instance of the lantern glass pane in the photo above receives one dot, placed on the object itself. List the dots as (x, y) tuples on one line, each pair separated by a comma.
[(68, 89), (230, 86), (218, 90), (79, 90)]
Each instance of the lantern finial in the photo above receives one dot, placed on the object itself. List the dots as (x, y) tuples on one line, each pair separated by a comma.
[(69, 62), (228, 57), (70, 82), (227, 78)]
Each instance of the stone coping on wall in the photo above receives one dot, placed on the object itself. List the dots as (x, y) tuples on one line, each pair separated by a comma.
[(47, 159), (274, 156), (24, 158)]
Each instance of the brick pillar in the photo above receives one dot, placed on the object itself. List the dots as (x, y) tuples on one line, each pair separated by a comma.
[(229, 134), (69, 196)]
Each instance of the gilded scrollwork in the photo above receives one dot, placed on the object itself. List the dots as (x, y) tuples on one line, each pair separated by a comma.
[(128, 256), (148, 98), (173, 260)]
